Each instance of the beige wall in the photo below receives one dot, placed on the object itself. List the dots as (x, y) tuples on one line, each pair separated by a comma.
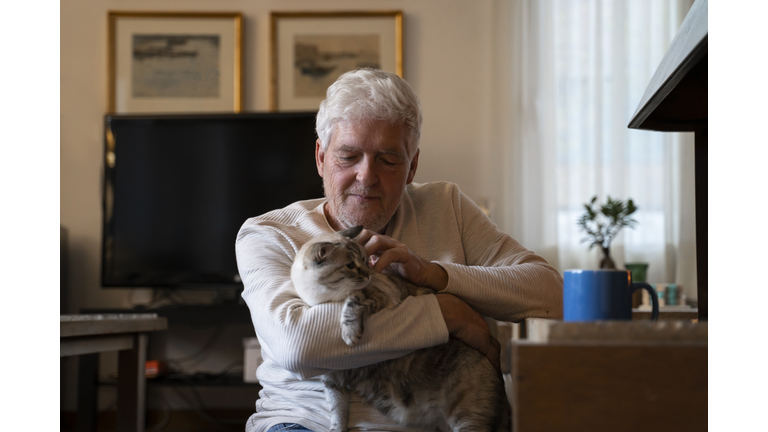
[(447, 61)]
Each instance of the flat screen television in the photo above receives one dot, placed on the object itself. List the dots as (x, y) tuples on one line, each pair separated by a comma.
[(177, 188)]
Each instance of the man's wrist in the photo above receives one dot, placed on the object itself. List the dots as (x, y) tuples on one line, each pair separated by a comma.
[(438, 277)]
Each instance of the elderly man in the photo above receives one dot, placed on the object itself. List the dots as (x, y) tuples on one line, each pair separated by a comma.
[(431, 234)]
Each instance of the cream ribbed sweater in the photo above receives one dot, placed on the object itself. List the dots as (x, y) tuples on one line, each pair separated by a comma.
[(486, 268)]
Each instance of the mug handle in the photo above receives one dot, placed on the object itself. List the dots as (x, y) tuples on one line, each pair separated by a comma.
[(654, 298)]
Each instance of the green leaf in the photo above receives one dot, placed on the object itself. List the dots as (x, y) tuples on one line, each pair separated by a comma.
[(603, 222)]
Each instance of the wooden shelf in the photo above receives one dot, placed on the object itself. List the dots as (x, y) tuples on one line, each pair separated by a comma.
[(214, 314), (676, 101)]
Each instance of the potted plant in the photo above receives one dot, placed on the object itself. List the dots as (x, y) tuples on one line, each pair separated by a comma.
[(602, 224)]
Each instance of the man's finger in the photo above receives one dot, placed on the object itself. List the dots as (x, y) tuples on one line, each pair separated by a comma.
[(494, 354), (377, 243), (388, 257), (364, 236), (496, 344)]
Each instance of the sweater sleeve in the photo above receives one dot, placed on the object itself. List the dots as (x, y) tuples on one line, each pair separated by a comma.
[(501, 278), (307, 340)]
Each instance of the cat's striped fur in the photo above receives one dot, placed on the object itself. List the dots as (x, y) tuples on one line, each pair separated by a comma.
[(451, 386)]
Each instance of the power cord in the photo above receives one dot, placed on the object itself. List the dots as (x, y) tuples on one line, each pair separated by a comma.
[(166, 417), (199, 409), (199, 353)]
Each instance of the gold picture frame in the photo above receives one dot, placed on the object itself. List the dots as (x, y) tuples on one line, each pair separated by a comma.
[(175, 62), (309, 50)]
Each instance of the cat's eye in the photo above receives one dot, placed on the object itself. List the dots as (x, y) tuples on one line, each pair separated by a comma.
[(351, 265)]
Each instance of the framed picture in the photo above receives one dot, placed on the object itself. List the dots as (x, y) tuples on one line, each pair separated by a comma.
[(175, 62), (311, 49)]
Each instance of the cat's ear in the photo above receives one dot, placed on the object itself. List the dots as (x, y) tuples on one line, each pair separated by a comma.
[(322, 251), (351, 232)]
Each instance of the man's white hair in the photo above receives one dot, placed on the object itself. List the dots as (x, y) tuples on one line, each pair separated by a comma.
[(369, 95)]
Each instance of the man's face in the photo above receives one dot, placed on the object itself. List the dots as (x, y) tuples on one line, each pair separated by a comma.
[(365, 170)]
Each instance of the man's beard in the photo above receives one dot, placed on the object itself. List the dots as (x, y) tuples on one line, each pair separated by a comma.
[(371, 216)]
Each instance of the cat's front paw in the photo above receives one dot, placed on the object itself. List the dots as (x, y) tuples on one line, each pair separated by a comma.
[(351, 334), (352, 318)]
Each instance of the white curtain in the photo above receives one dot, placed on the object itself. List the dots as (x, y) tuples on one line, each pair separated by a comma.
[(568, 77)]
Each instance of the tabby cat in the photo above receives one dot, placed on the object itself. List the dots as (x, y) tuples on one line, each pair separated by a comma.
[(451, 386)]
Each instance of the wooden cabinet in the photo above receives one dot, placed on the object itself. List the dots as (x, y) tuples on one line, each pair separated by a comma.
[(609, 376)]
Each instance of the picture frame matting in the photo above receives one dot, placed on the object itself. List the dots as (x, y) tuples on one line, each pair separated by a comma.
[(175, 62)]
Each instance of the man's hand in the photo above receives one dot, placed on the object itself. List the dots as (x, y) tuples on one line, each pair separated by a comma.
[(388, 251), (468, 326)]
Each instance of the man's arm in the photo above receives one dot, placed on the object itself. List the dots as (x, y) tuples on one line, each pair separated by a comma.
[(307, 340), (466, 325), (502, 279), (498, 278)]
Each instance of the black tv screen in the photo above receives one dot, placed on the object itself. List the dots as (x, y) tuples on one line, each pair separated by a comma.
[(177, 189)]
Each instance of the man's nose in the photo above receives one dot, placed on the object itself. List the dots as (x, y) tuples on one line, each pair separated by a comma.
[(366, 172)]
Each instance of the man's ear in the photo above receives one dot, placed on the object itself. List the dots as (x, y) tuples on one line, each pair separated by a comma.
[(412, 168), (319, 156)]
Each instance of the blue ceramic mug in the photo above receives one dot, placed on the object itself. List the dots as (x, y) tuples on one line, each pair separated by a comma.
[(590, 295)]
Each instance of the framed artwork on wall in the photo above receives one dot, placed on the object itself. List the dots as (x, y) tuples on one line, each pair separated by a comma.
[(311, 49), (175, 62)]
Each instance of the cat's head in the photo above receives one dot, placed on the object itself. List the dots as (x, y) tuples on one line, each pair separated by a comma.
[(330, 267)]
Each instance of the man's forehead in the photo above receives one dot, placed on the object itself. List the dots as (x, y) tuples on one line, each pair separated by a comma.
[(369, 136), (395, 150)]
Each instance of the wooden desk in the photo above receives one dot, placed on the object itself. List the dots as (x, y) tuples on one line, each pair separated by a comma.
[(611, 375), (89, 335), (668, 314)]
